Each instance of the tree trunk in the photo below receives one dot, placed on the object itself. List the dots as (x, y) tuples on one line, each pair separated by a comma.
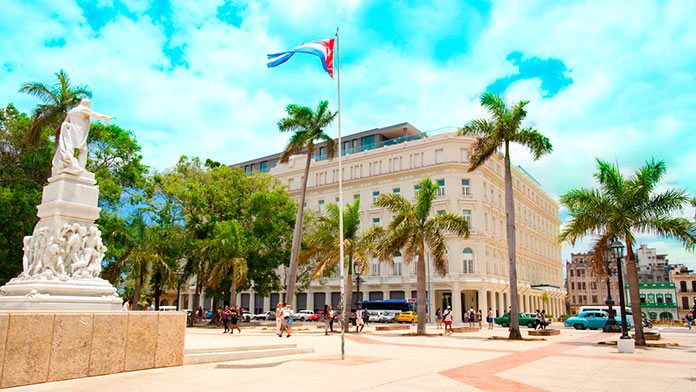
[(348, 294), (233, 294), (634, 293), (297, 237), (136, 293), (420, 289), (158, 294), (512, 248)]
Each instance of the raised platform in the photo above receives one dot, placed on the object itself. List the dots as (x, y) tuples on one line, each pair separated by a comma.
[(465, 329), (544, 332), (224, 354), (392, 328), (74, 295), (51, 346)]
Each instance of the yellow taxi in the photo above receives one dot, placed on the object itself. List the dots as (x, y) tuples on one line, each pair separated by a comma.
[(406, 317)]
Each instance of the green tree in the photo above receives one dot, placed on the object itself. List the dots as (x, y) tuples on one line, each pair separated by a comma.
[(413, 229), (56, 100), (228, 254), (492, 134), (308, 127), (623, 206), (322, 250)]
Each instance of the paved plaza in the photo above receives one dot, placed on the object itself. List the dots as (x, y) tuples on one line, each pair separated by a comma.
[(391, 361)]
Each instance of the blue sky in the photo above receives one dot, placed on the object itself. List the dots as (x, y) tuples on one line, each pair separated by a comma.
[(605, 79)]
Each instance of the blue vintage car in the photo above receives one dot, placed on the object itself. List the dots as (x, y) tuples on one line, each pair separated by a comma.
[(590, 319)]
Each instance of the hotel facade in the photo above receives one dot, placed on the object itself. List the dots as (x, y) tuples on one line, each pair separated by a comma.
[(393, 160)]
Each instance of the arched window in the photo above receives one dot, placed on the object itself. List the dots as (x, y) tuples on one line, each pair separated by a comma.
[(665, 316), (468, 261), (397, 267)]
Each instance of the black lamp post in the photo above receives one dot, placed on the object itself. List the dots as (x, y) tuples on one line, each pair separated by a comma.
[(611, 325), (618, 252), (180, 276), (358, 280)]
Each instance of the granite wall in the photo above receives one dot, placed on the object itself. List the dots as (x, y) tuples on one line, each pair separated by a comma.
[(41, 347)]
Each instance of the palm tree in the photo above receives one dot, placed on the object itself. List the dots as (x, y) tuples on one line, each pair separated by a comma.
[(413, 228), (308, 126), (57, 101), (227, 250), (494, 134), (322, 246), (623, 206)]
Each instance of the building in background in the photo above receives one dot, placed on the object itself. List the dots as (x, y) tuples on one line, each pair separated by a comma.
[(685, 285), (657, 300), (652, 268), (393, 160), (584, 286)]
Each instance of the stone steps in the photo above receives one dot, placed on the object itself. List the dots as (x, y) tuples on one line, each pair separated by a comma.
[(199, 356)]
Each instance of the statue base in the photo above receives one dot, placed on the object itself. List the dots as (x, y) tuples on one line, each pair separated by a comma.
[(93, 295)]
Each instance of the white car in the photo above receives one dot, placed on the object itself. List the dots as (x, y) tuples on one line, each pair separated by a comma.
[(375, 316), (388, 316), (303, 314)]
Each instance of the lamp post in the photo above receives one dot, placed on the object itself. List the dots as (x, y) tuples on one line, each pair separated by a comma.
[(618, 252), (611, 325), (180, 276), (358, 280)]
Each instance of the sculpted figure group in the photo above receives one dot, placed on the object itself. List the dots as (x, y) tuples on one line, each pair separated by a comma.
[(77, 252)]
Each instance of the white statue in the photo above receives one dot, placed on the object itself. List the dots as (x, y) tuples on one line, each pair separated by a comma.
[(28, 257), (73, 135)]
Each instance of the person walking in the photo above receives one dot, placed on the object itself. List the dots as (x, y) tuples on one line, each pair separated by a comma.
[(447, 315), (327, 319), (234, 319), (689, 320), (479, 318), (489, 318), (539, 320), (332, 313), (543, 319), (472, 317), (287, 320), (279, 318), (225, 317), (438, 318), (366, 317), (201, 313), (359, 323)]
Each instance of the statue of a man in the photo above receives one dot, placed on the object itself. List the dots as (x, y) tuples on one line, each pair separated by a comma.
[(73, 135)]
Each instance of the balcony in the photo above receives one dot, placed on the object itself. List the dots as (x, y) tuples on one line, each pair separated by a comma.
[(372, 146)]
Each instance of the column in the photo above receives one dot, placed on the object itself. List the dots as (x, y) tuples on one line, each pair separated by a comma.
[(522, 303), (507, 301), (457, 304), (499, 304), (266, 304), (483, 301), (310, 300)]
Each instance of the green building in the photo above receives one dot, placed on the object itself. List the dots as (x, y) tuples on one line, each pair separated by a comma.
[(657, 300)]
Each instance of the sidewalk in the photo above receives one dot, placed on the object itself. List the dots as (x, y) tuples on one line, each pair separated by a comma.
[(390, 361)]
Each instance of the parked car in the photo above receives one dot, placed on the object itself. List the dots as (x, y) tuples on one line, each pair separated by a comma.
[(533, 315), (406, 317), (504, 320), (375, 316), (247, 316), (591, 319), (388, 316), (303, 315), (270, 315)]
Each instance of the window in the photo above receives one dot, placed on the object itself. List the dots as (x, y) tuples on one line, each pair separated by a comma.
[(668, 298), (467, 215), (594, 299), (593, 285), (572, 285), (660, 299), (439, 155), (375, 270), (367, 143), (685, 303), (376, 221), (321, 205), (337, 199), (571, 273), (584, 286), (441, 188), (396, 190), (642, 298), (466, 188), (416, 188), (693, 286), (468, 261), (441, 212), (291, 184), (375, 196), (264, 166), (356, 196)]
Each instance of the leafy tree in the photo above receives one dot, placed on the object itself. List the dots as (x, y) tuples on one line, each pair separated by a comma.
[(413, 229), (322, 249), (56, 100), (308, 127), (228, 250), (492, 134), (623, 206)]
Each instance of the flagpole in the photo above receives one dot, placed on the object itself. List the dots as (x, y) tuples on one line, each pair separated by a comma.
[(345, 313)]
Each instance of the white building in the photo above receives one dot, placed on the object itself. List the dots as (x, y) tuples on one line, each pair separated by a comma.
[(394, 159)]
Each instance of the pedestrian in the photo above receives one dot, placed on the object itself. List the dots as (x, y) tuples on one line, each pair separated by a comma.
[(327, 319), (539, 320), (472, 317), (332, 313), (234, 319), (366, 316), (287, 320), (438, 318), (447, 315), (200, 314), (489, 318), (359, 323), (279, 318), (225, 319), (689, 320), (479, 318), (543, 319)]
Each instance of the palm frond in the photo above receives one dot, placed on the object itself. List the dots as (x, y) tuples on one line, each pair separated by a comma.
[(424, 199), (495, 104), (393, 202), (481, 150), (479, 128), (538, 144)]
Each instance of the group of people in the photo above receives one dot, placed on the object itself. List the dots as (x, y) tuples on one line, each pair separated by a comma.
[(230, 316), (471, 317), (328, 316), (284, 319), (541, 319)]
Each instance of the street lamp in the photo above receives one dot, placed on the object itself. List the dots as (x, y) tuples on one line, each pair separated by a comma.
[(611, 325), (358, 280), (180, 276), (618, 252)]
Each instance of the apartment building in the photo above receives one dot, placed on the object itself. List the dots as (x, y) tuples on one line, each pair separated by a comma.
[(393, 160), (652, 267), (584, 286), (685, 286)]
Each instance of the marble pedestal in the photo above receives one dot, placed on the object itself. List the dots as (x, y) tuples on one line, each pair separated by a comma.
[(62, 258)]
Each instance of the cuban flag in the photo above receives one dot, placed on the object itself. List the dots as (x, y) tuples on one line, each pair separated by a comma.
[(322, 48)]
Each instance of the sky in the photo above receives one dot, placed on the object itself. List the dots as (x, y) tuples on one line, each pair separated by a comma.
[(613, 80)]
